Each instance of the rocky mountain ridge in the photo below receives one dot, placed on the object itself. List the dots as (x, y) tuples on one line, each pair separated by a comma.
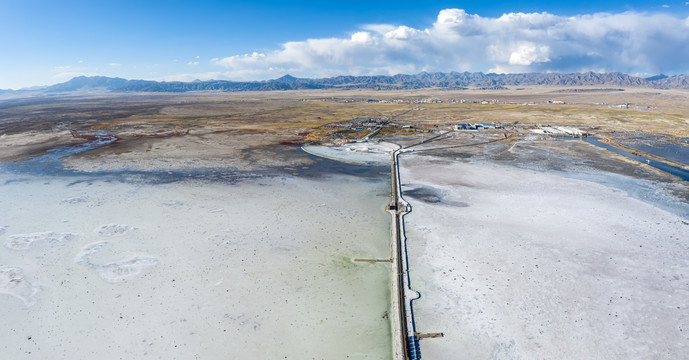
[(451, 80)]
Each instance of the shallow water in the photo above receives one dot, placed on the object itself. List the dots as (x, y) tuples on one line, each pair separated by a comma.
[(172, 265), (675, 149), (674, 170)]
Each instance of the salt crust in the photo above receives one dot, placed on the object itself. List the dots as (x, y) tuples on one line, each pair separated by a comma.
[(13, 282), (114, 230), (118, 271), (540, 266), (25, 241), (358, 152), (269, 276)]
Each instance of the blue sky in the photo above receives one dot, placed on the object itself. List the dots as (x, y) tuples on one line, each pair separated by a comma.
[(45, 42)]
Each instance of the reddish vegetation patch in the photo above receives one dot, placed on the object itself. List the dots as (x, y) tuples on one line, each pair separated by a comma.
[(104, 138), (165, 135), (299, 142), (236, 131)]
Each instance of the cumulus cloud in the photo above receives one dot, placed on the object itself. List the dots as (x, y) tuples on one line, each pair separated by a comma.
[(458, 41), (188, 77), (528, 53)]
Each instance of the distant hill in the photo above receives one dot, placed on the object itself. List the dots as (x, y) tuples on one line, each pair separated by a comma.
[(656, 77), (673, 82), (83, 83), (452, 80)]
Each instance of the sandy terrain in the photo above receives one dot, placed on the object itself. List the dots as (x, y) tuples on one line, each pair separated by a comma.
[(525, 264)]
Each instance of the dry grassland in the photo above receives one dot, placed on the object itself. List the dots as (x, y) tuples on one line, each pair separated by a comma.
[(206, 122)]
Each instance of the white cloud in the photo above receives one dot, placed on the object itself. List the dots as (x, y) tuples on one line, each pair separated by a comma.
[(193, 63), (191, 77), (363, 37), (115, 64), (528, 53), (665, 6), (457, 41), (403, 33), (379, 28)]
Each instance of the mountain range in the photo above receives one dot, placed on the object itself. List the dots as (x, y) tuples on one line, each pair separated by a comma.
[(451, 80)]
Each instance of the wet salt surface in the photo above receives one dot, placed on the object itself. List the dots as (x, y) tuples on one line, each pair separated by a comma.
[(50, 162), (429, 194), (254, 269), (50, 165)]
